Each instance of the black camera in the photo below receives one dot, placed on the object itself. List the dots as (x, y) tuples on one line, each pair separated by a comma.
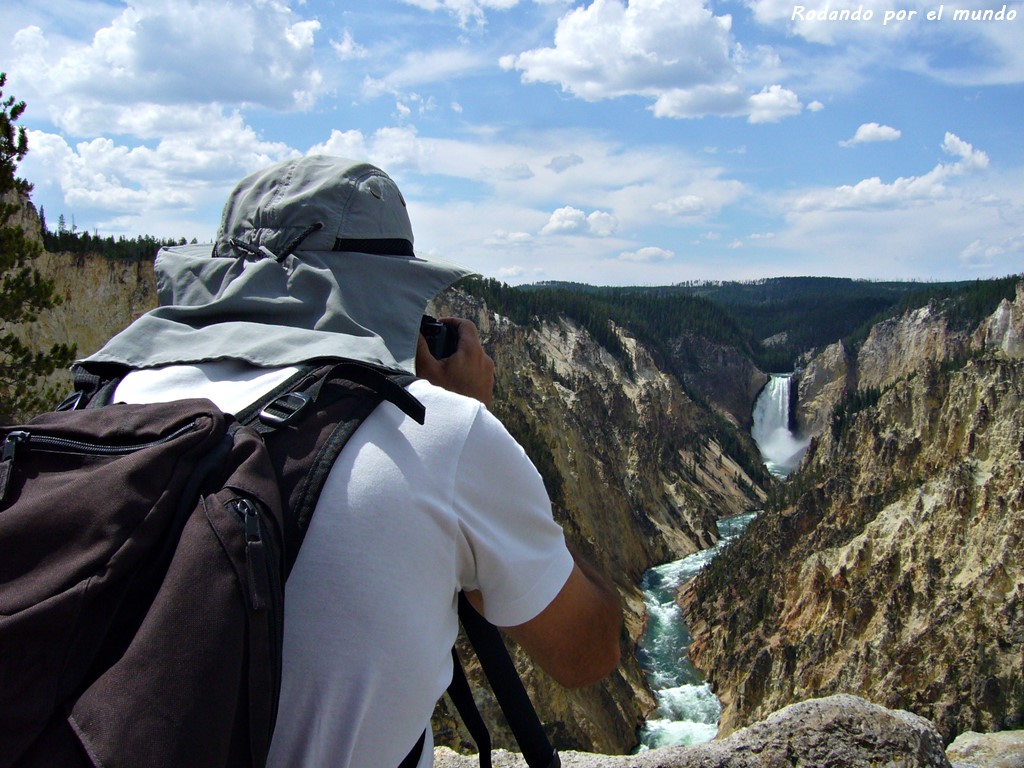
[(442, 339)]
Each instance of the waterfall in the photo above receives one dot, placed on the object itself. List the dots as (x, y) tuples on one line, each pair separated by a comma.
[(780, 448)]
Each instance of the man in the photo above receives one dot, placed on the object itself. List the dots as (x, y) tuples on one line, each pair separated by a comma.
[(314, 260)]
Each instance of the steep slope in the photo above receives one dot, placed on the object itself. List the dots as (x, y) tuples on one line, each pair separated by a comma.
[(896, 575)]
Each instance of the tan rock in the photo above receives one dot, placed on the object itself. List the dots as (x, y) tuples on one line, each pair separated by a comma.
[(836, 731), (1004, 330), (1004, 749)]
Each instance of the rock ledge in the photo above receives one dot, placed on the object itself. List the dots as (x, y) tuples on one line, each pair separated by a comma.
[(840, 730)]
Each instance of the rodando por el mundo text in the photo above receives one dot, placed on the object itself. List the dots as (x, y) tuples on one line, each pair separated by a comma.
[(860, 13)]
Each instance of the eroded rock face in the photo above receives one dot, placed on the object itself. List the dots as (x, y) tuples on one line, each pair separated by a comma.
[(821, 385), (838, 731), (721, 374), (897, 573), (987, 750), (1004, 330), (897, 348)]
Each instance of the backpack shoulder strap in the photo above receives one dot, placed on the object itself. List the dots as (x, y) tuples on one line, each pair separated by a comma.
[(307, 422), (94, 385), (508, 689)]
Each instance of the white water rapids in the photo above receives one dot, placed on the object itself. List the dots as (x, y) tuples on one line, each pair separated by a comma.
[(687, 710)]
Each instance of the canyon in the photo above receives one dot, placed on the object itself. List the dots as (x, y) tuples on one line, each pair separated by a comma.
[(887, 567), (894, 573)]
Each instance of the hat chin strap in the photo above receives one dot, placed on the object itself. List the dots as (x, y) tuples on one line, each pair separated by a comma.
[(265, 253)]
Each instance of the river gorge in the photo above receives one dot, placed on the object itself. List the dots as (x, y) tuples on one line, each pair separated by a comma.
[(887, 567)]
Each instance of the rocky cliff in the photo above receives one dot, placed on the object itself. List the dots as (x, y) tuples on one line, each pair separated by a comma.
[(896, 573), (821, 385), (837, 731), (720, 374), (99, 297)]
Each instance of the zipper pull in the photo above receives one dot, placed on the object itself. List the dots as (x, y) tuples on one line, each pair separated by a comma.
[(11, 443), (255, 554)]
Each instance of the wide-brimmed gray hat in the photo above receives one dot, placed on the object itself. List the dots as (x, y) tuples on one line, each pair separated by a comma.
[(314, 259)]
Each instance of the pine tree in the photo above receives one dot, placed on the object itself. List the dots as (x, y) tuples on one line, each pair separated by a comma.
[(23, 291)]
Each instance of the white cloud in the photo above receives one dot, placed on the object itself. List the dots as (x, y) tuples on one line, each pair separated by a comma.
[(348, 49), (465, 10), (569, 219), (301, 34), (646, 255), (772, 104), (675, 52), (703, 197), (726, 99), (511, 273), (961, 218), (501, 237), (511, 172), (985, 254), (684, 205), (343, 144), (182, 180), (165, 52), (869, 132), (563, 163), (602, 224), (419, 67), (986, 52), (874, 193)]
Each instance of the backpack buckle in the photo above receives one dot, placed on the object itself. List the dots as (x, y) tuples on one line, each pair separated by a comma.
[(72, 402), (283, 410)]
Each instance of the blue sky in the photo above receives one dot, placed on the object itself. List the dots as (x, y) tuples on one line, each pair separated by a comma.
[(602, 141)]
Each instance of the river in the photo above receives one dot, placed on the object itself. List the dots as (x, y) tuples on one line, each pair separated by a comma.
[(687, 710)]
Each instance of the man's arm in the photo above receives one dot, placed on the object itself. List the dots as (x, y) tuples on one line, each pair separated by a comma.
[(576, 638)]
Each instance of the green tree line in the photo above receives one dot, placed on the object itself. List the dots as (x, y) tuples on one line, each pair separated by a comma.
[(24, 293), (70, 240)]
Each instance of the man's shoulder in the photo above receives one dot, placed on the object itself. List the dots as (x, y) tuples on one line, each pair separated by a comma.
[(424, 391), (450, 411)]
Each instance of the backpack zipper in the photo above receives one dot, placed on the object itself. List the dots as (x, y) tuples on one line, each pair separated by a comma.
[(21, 439), (257, 566), (263, 587)]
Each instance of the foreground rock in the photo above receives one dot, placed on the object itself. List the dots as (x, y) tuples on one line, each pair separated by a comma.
[(987, 750), (839, 731)]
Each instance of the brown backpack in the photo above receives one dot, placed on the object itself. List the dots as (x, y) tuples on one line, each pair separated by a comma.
[(143, 549)]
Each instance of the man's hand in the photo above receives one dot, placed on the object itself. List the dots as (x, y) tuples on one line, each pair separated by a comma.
[(468, 371)]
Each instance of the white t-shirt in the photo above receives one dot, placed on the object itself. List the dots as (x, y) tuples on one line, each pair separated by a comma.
[(411, 514)]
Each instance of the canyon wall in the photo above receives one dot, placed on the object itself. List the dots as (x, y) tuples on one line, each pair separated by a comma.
[(896, 573)]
